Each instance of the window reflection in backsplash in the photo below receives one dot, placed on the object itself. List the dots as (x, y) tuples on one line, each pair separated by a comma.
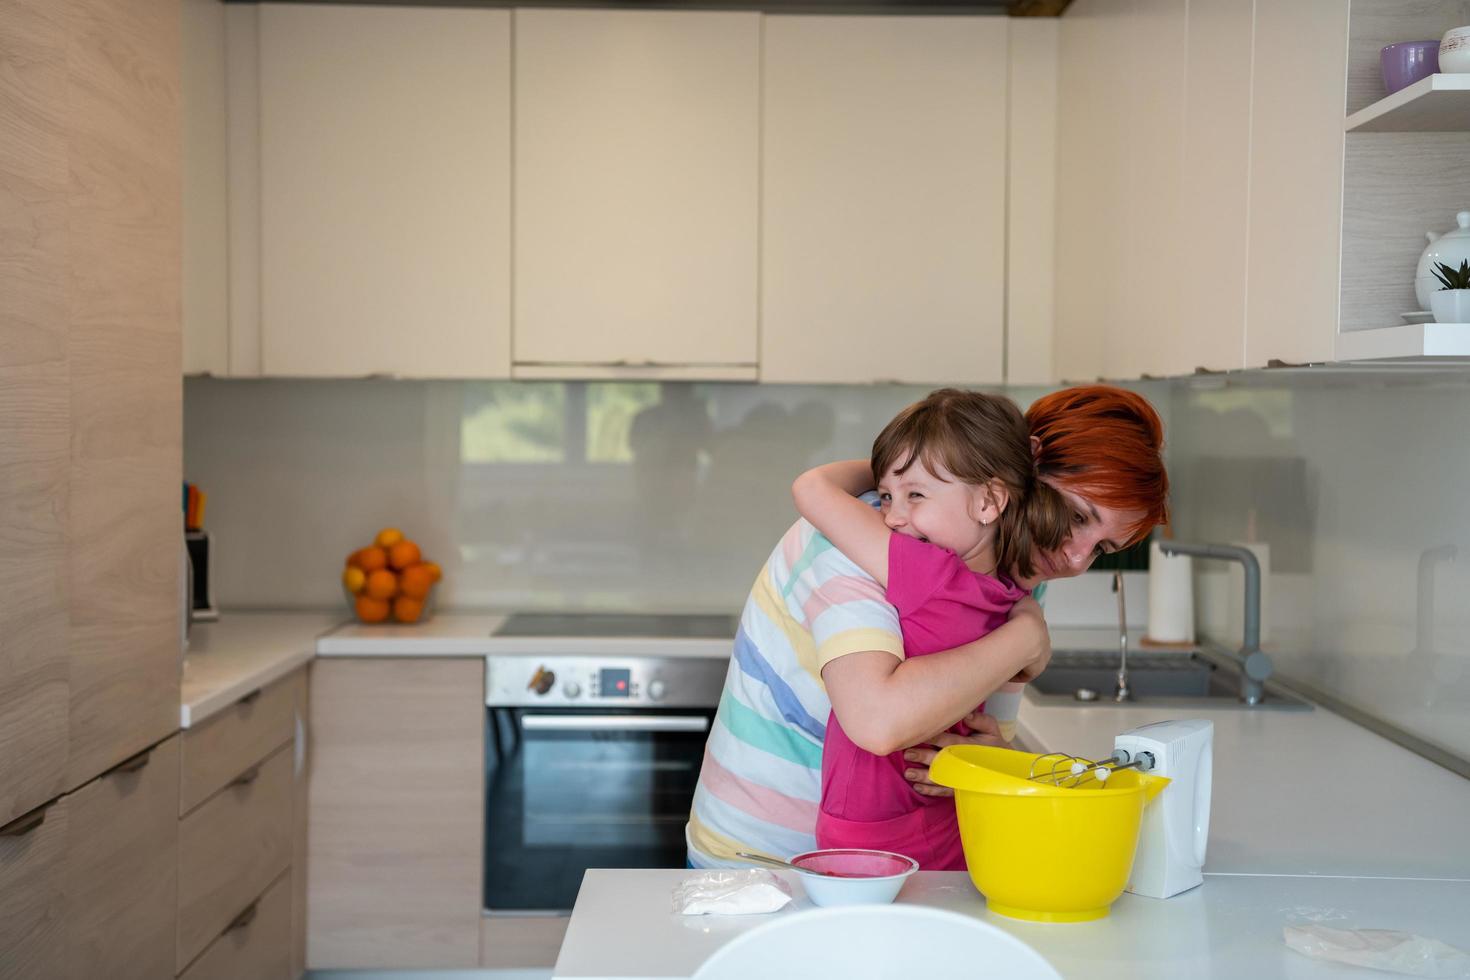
[(615, 495)]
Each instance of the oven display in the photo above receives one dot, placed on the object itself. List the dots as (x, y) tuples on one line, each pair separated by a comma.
[(614, 683)]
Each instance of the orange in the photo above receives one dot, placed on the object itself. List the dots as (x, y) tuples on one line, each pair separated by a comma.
[(388, 537), (407, 609), (354, 560), (403, 554), (382, 584), (371, 610), (354, 579), (434, 570), (415, 581), (371, 559)]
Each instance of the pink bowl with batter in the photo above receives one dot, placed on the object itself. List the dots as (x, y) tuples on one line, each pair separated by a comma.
[(864, 877)]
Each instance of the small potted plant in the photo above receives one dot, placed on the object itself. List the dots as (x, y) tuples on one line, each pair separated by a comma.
[(1451, 302)]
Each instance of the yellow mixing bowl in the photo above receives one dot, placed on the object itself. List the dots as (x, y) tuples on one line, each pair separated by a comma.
[(1042, 852)]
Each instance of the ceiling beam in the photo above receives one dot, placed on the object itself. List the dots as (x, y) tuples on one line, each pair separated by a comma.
[(1037, 8)]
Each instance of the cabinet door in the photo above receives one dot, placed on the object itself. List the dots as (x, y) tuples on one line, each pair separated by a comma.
[(636, 193), (396, 813), (385, 190), (1214, 217), (123, 532), (122, 869), (33, 893), (206, 293), (35, 407), (883, 200), (1297, 107)]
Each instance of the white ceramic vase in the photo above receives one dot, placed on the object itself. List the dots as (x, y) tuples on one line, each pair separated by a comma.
[(1451, 248), (1451, 306), (1454, 51)]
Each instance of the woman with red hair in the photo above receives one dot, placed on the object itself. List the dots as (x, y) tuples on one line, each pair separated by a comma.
[(817, 635)]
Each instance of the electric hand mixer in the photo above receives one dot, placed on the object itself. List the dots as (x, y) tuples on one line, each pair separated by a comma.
[(1176, 827)]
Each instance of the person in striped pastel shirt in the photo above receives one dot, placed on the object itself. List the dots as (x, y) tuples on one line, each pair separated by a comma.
[(817, 635)]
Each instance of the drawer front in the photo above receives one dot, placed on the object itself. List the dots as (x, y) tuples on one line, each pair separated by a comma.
[(256, 943), (122, 864), (230, 849), (237, 738), (33, 894)]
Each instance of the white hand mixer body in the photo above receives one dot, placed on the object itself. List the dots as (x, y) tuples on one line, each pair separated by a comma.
[(1176, 827)]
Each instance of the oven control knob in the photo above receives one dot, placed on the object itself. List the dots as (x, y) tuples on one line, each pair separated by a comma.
[(657, 690), (571, 689), (542, 681)]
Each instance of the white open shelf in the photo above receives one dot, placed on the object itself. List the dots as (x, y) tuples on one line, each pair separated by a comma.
[(1437, 104), (1446, 340)]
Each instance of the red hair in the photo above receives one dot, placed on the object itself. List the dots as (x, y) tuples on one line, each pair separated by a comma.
[(1105, 444)]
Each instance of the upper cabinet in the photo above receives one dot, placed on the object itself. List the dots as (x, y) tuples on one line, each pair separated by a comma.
[(384, 191), (637, 138), (719, 195), (883, 199)]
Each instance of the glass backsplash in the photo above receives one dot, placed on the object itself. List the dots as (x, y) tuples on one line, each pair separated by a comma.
[(533, 495), (1360, 485)]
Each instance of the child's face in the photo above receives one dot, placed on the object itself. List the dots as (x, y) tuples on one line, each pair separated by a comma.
[(935, 507)]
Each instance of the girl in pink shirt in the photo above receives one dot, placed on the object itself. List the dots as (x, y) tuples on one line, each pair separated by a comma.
[(960, 514)]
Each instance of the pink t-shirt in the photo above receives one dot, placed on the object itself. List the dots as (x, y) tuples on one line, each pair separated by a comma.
[(866, 802)]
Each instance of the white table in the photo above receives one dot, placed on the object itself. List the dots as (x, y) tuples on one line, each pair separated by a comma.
[(623, 925)]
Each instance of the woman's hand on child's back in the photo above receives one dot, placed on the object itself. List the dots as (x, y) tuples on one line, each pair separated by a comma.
[(984, 729), (1028, 611)]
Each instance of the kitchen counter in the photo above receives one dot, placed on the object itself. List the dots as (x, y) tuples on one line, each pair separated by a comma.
[(623, 927), (471, 635), (244, 651), (1297, 792)]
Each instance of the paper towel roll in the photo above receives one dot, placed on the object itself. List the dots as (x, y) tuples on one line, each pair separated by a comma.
[(1236, 609), (1170, 597)]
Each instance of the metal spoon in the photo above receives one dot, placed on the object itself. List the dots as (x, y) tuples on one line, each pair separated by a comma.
[(776, 862)]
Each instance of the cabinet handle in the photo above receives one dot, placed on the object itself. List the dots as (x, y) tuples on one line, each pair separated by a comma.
[(250, 698), (243, 919), (26, 822), (247, 777), (132, 764)]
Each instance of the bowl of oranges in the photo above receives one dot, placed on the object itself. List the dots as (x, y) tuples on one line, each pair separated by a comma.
[(389, 579)]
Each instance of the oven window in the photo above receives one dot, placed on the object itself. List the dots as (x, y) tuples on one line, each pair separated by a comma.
[(572, 790)]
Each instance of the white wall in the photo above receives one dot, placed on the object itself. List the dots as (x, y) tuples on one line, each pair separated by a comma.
[(1352, 480)]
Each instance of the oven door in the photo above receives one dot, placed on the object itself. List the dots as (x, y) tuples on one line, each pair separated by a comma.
[(572, 789)]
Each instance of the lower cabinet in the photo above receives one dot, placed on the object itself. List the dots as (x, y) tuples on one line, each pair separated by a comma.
[(256, 945), (89, 881), (396, 813), (240, 849), (33, 939)]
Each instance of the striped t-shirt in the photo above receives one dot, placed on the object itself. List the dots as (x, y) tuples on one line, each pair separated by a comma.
[(761, 779)]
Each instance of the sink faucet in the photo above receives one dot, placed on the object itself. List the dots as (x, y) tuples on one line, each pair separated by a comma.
[(1255, 665), (1122, 694)]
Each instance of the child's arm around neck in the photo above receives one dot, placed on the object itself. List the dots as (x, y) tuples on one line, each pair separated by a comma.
[(826, 496)]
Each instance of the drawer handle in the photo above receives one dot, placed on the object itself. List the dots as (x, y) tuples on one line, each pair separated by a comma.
[(26, 822), (250, 698), (247, 777), (243, 919), (131, 764)]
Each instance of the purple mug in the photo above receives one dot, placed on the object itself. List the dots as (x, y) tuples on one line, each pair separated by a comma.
[(1407, 62)]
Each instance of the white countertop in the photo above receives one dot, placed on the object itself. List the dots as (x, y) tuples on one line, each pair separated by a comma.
[(470, 635), (244, 651), (623, 926), (1297, 792)]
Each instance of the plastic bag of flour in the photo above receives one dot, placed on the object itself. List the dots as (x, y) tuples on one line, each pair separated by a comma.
[(731, 893), (1379, 949)]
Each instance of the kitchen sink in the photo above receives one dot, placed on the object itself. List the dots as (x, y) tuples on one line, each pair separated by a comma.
[(1197, 679)]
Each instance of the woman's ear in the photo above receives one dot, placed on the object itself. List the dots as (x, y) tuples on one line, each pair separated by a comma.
[(988, 501), (1035, 446)]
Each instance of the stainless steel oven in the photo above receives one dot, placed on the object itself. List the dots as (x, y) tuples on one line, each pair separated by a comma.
[(592, 758)]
